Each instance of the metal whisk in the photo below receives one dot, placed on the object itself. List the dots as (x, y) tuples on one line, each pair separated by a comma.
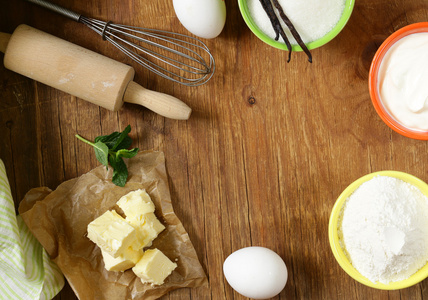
[(174, 56)]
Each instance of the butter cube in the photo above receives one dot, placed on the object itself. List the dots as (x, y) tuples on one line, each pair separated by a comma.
[(112, 233), (147, 227), (136, 203), (154, 267), (123, 262)]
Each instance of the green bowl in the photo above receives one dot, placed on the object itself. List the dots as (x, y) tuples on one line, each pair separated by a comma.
[(349, 6), (339, 252)]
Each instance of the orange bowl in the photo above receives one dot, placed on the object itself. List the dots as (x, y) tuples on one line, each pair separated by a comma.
[(374, 82)]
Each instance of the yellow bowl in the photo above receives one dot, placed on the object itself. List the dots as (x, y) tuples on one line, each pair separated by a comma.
[(338, 251)]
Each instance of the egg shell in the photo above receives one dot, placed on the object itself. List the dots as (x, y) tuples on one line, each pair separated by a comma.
[(256, 272), (204, 18)]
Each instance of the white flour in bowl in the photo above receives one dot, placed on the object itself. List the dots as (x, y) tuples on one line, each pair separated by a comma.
[(384, 229), (312, 18)]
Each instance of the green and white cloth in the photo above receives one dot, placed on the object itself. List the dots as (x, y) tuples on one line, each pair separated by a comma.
[(26, 271)]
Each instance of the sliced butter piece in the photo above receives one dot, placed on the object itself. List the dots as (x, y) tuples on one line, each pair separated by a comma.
[(136, 203), (123, 262), (154, 267), (112, 233), (147, 227)]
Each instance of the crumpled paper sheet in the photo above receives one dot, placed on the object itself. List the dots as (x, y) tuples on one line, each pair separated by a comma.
[(59, 220)]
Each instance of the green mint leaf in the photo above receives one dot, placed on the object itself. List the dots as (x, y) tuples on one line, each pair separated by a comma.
[(125, 144), (101, 153), (126, 153), (109, 140), (110, 149), (120, 172), (116, 140), (122, 137)]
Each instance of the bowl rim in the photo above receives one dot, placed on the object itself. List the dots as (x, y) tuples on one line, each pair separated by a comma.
[(338, 251), (374, 81), (346, 15)]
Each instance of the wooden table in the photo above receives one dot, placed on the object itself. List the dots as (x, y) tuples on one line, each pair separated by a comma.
[(269, 146)]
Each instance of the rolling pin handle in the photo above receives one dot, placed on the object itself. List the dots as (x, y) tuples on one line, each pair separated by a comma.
[(163, 104)]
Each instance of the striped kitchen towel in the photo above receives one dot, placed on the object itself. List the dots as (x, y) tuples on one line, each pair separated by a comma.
[(25, 268)]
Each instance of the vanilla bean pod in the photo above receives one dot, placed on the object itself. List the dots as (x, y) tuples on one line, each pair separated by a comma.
[(267, 6), (292, 29)]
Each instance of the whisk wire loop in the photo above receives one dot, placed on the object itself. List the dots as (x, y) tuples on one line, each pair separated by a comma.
[(170, 61), (180, 58)]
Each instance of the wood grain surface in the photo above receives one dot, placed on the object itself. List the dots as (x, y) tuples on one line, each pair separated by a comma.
[(269, 147)]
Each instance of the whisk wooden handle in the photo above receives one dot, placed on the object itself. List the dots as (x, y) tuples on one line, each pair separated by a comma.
[(163, 104), (81, 72)]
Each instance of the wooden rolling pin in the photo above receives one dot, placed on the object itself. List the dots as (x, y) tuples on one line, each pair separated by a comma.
[(82, 73)]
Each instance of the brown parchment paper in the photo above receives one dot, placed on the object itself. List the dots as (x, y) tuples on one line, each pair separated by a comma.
[(59, 220)]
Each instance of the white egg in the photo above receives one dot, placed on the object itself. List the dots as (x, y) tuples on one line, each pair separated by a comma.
[(256, 272), (204, 18)]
